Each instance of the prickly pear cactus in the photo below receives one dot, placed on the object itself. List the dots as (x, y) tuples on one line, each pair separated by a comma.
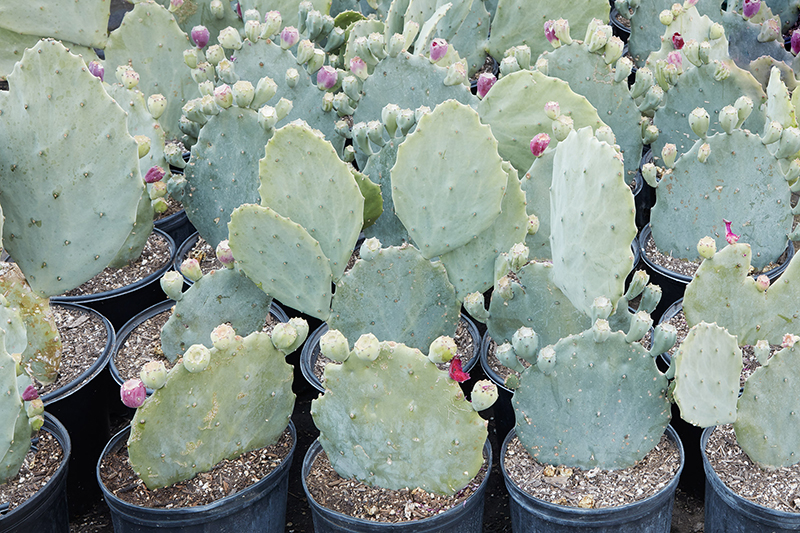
[(83, 23), (397, 294), (288, 8), (766, 423), (400, 398), (12, 45), (723, 292), (46, 171), (242, 401), (388, 229), (536, 184), (601, 403), (193, 13), (707, 366), (222, 296)]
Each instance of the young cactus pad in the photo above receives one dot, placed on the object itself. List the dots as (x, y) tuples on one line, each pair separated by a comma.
[(47, 171), (398, 421), (602, 405), (242, 401)]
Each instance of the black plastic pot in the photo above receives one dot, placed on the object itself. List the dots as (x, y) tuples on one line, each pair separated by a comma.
[(727, 512), (465, 518), (46, 511), (177, 225), (502, 412), (644, 196), (82, 408), (473, 83), (310, 353), (617, 27), (651, 515), (673, 284), (119, 305), (260, 508)]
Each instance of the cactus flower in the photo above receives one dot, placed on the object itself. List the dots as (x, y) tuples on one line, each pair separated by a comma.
[(289, 37), (133, 393), (438, 49), (224, 253), (191, 269), (795, 42), (539, 144), (200, 36), (676, 59), (327, 78), (154, 374), (153, 175), (762, 283), (96, 69), (455, 371), (677, 41), (485, 82), (730, 236), (359, 67), (30, 393), (550, 33), (789, 340), (751, 7)]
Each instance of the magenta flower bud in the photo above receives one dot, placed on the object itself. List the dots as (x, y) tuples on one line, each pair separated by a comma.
[(98, 71), (730, 236), (456, 372), (154, 174), (675, 58), (795, 42), (289, 37), (359, 68), (677, 41), (750, 8), (133, 393), (762, 283), (539, 143), (327, 77), (224, 253), (485, 82), (200, 36), (438, 49), (550, 32), (30, 393)]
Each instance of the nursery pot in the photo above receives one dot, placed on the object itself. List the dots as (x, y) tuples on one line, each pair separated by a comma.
[(310, 353), (466, 517), (46, 511), (82, 408), (651, 515), (644, 196), (727, 512), (119, 305), (177, 226), (260, 508), (502, 411)]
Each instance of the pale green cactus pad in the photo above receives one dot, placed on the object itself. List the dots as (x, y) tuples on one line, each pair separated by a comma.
[(288, 8), (398, 422), (536, 184), (469, 37), (723, 292), (592, 220), (83, 23), (65, 145), (514, 108), (388, 229), (448, 181), (766, 428), (12, 45), (302, 178), (282, 259), (602, 405), (219, 297), (198, 12), (15, 428), (242, 401), (707, 368), (396, 295)]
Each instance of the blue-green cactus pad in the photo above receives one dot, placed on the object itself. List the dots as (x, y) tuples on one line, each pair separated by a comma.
[(398, 295), (536, 184), (399, 422), (69, 171), (220, 297), (303, 179), (603, 405), (282, 259), (287, 8), (12, 45), (84, 22), (448, 181), (15, 429), (198, 12), (388, 229), (741, 181)]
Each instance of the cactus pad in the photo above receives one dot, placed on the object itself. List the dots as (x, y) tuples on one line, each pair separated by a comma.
[(83, 23)]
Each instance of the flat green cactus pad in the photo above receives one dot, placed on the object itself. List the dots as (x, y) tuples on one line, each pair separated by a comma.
[(242, 401), (303, 179), (288, 8), (220, 297), (282, 259), (12, 45), (399, 422), (740, 181), (397, 295), (592, 220), (603, 404), (15, 428), (514, 108), (766, 427), (82, 22), (198, 12), (388, 229), (448, 181), (536, 184), (723, 292), (707, 368), (69, 171)]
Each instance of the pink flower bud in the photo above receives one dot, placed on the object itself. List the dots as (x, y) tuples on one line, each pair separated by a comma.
[(730, 236), (224, 253), (677, 41), (30, 393), (485, 82), (96, 69), (133, 393), (750, 8), (191, 269), (327, 77), (539, 143), (175, 5), (674, 58), (200, 36), (550, 32), (796, 42), (789, 340), (455, 371), (762, 283), (154, 174), (438, 49), (289, 37)]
